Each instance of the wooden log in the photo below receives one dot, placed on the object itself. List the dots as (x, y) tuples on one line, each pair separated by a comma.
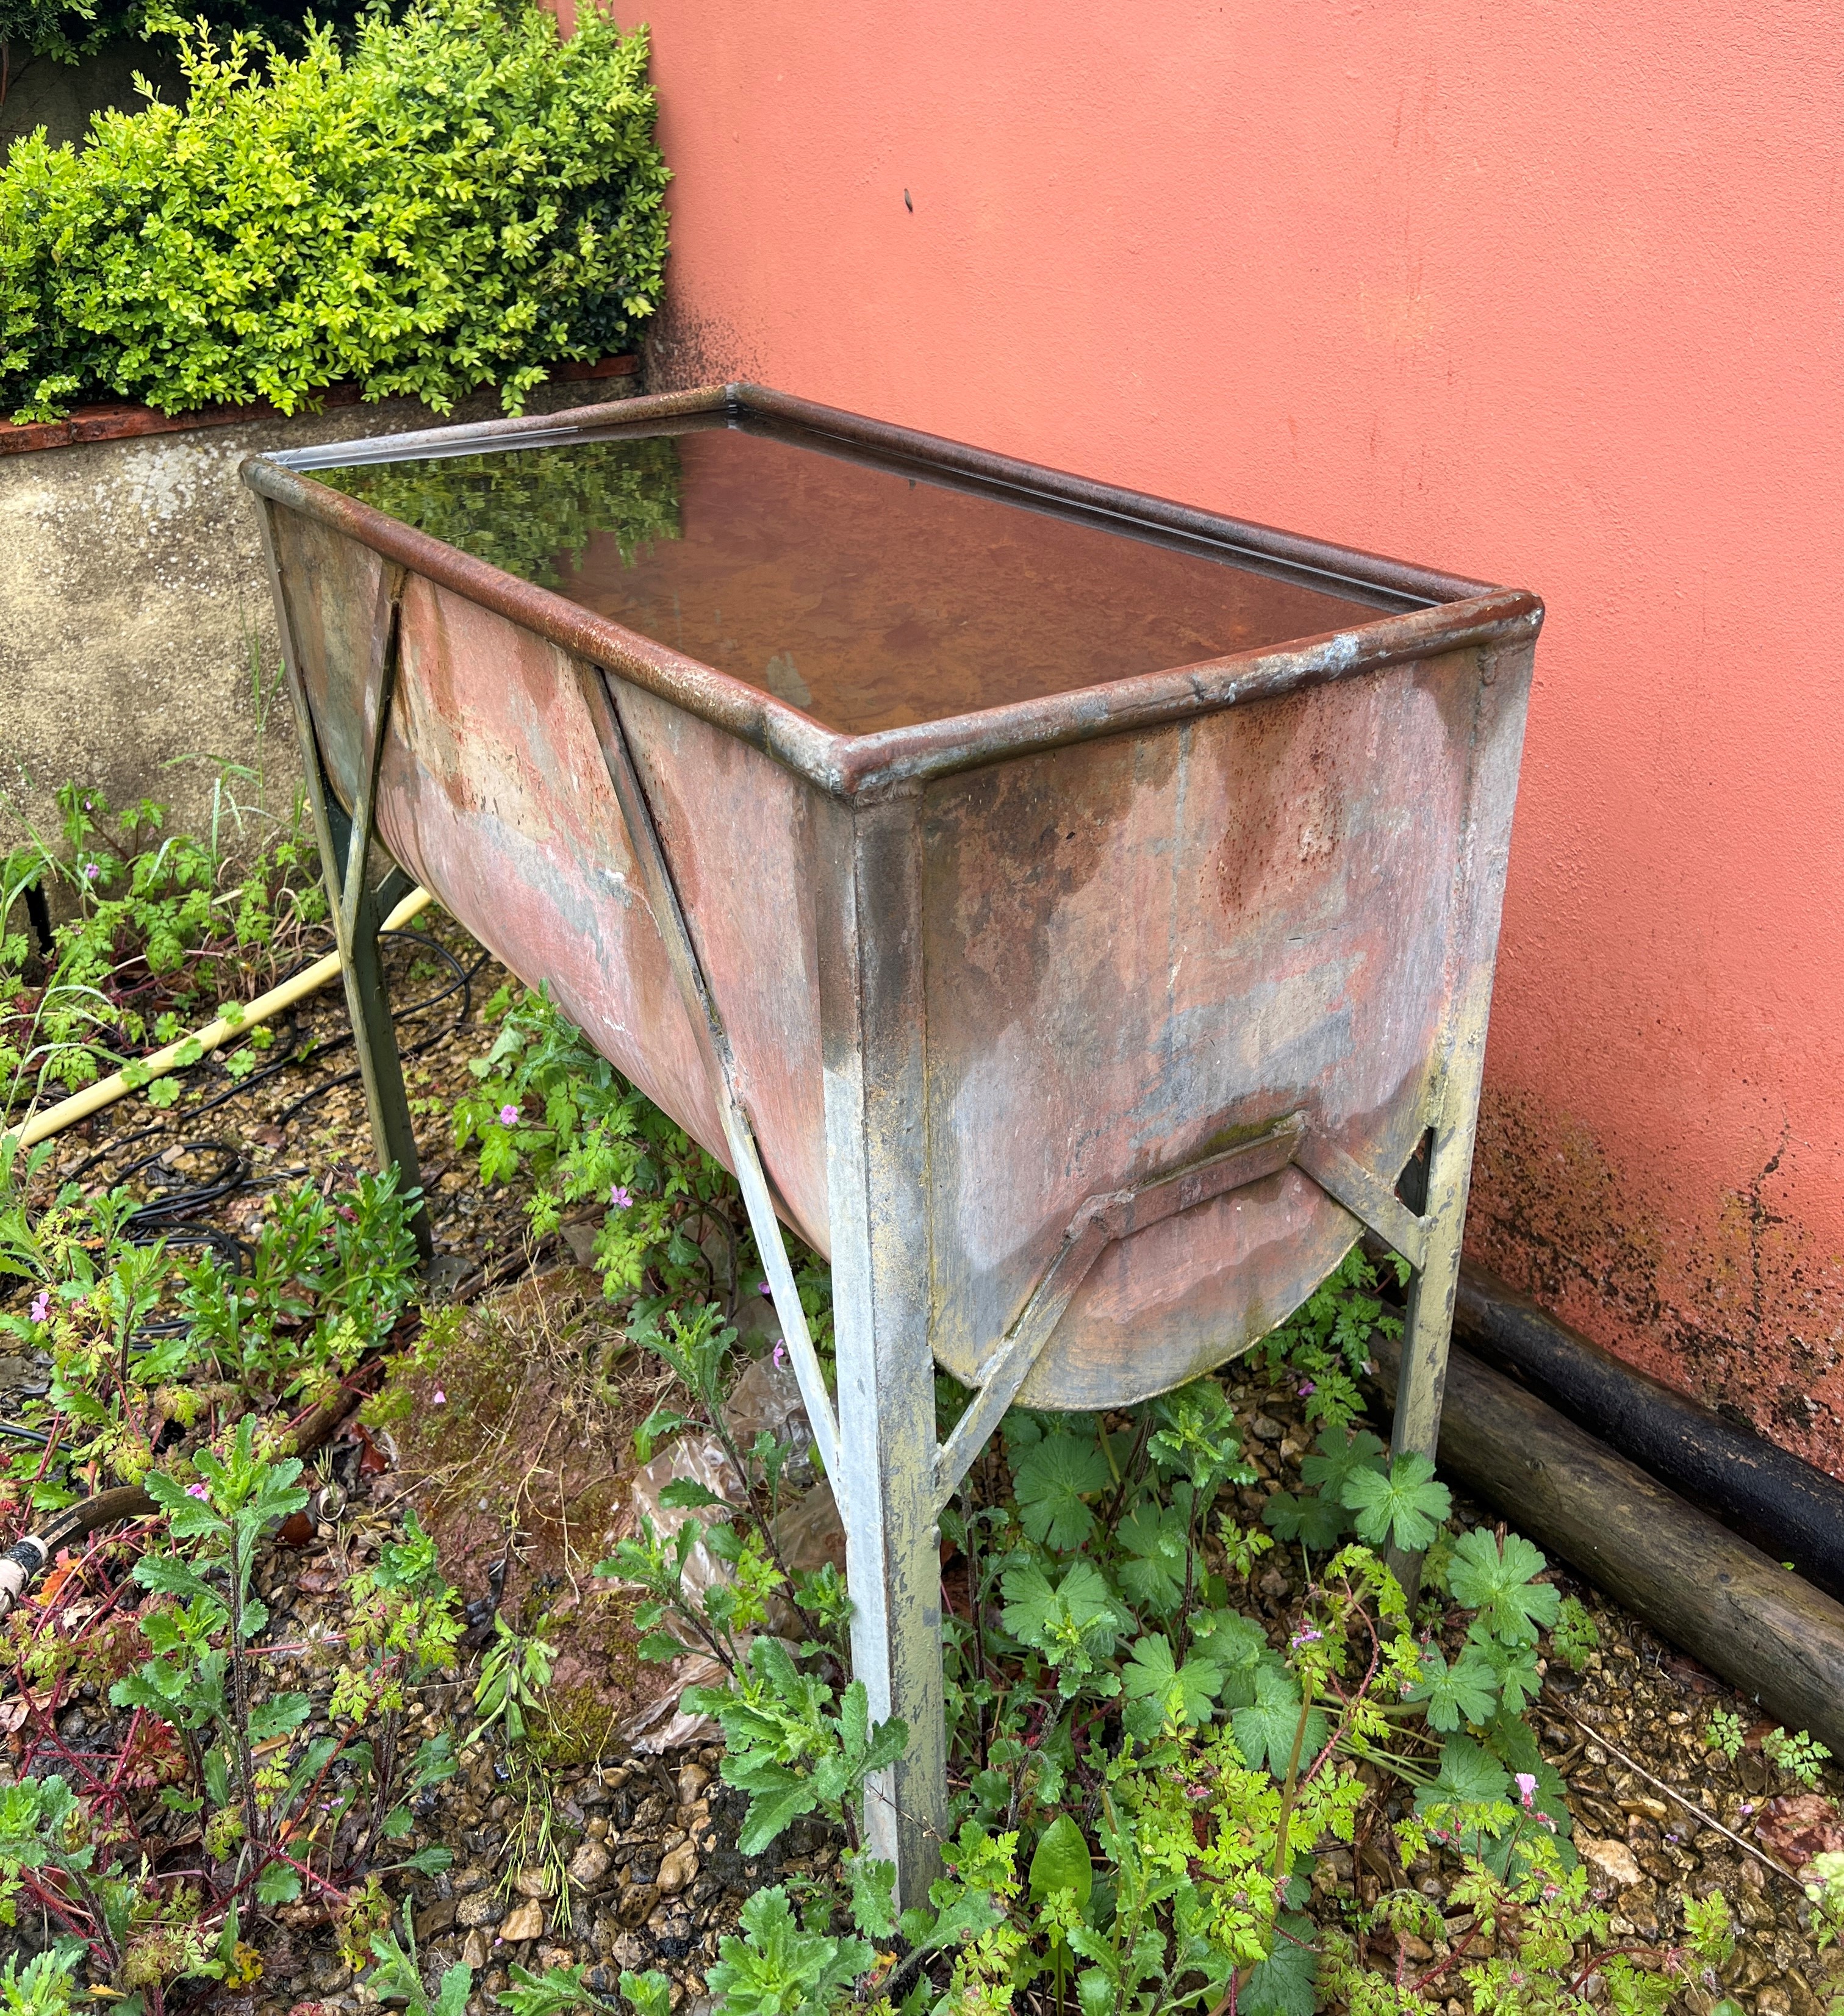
[(1786, 1507), (1767, 1631)]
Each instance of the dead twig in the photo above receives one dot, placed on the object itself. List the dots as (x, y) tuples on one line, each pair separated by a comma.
[(1689, 1805)]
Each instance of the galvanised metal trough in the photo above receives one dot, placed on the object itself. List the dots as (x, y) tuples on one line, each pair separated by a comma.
[(1070, 912)]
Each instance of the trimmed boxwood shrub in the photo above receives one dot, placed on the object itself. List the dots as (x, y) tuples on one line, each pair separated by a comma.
[(65, 32), (458, 198)]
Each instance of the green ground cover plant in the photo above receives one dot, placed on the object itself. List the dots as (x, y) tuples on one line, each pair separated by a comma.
[(190, 1380), (1145, 1780), (158, 926), (1152, 1767), (460, 198)]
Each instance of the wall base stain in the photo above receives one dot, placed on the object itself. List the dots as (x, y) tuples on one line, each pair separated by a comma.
[(1734, 1300)]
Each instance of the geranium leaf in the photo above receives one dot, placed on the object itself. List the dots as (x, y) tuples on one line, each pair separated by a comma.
[(1401, 1507), (1051, 1480), (1500, 1583)]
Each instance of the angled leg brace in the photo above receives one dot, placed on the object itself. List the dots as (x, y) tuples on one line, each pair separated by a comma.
[(908, 1835), (359, 909)]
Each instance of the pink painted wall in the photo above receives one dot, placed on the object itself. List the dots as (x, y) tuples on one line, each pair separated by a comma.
[(1550, 292)]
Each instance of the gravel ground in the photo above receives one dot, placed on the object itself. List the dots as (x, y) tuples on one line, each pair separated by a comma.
[(590, 1855)]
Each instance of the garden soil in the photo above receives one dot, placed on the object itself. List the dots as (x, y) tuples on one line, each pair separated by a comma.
[(513, 1444)]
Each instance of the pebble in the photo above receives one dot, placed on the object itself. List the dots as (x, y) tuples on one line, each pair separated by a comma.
[(677, 1869), (1611, 1860), (637, 1903), (524, 1921), (534, 1882), (483, 1908), (589, 1865), (1752, 1906), (1265, 1429)]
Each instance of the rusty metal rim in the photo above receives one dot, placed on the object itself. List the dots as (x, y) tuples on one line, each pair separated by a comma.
[(1135, 507), (565, 426), (1466, 614)]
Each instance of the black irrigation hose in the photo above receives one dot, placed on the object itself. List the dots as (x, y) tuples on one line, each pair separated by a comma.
[(28, 1557), (462, 982)]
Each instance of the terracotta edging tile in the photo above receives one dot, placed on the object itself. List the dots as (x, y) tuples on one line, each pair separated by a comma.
[(124, 422)]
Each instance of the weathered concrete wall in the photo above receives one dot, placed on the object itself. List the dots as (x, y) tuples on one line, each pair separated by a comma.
[(135, 626), (1545, 292)]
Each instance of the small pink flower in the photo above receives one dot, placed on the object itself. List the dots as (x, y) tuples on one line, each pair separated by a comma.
[(767, 1291), (41, 1306), (1308, 1386), (780, 1352), (440, 1398), (620, 1198), (1527, 1788), (196, 1491), (91, 873), (508, 1116), (1307, 1637)]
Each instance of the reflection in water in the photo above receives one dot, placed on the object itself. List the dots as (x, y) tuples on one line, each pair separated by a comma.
[(868, 596), (532, 511)]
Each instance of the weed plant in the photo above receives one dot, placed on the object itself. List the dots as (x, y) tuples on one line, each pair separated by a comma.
[(1145, 1775), (1151, 1770), (190, 1381), (160, 927)]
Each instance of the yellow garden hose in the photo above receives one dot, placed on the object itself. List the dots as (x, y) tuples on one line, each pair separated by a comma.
[(226, 1029)]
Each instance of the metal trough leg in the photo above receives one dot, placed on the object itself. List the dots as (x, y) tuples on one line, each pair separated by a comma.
[(359, 909), (1428, 1330), (878, 1452), (877, 1168)]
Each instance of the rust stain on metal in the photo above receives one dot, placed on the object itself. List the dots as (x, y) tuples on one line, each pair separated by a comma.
[(1157, 910)]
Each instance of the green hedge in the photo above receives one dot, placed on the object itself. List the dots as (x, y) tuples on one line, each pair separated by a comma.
[(65, 32), (458, 199)]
